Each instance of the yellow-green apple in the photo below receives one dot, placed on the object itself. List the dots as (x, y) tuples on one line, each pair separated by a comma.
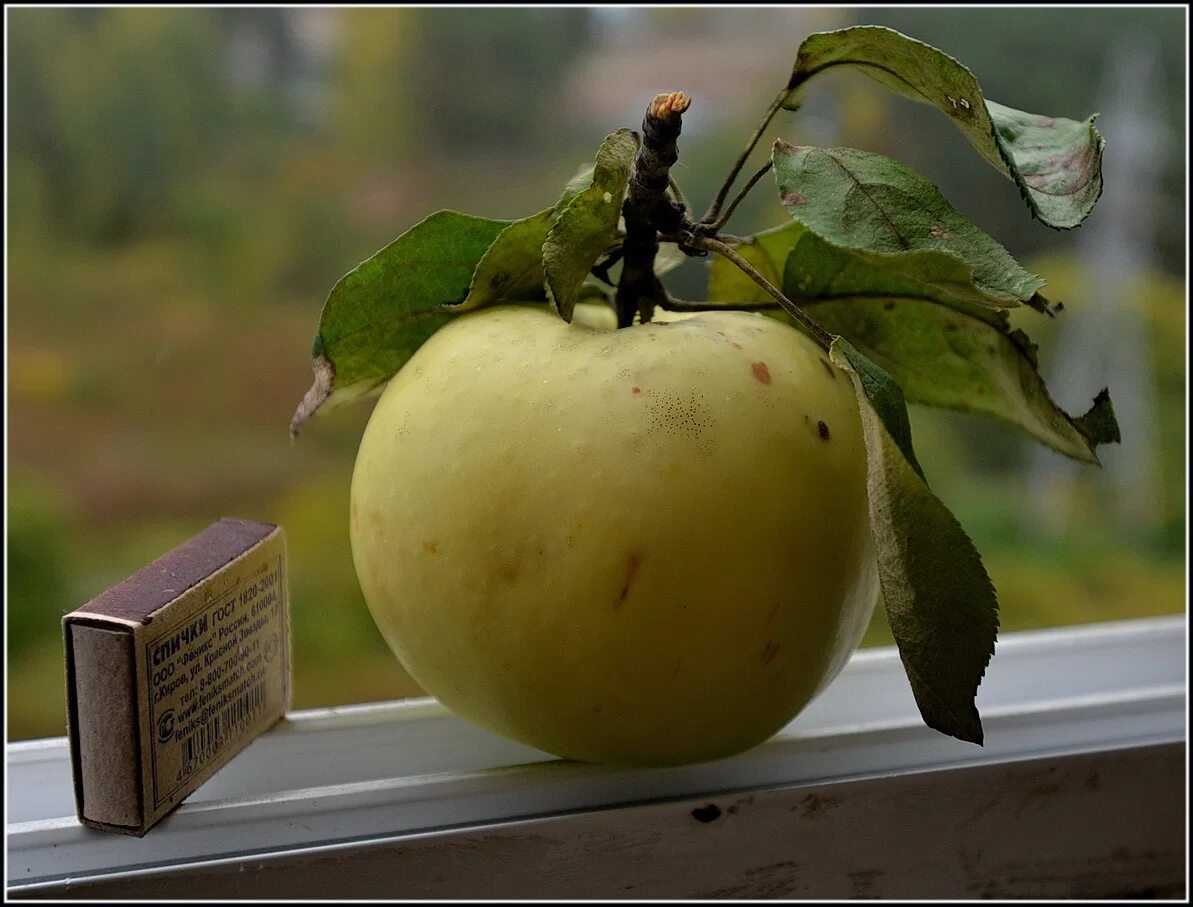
[(637, 546)]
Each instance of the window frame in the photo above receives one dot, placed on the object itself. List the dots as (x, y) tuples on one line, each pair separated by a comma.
[(322, 786)]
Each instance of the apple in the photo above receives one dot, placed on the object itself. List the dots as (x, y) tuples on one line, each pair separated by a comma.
[(642, 546)]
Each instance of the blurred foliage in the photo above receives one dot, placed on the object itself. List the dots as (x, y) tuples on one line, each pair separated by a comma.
[(38, 558), (186, 185), (118, 111), (502, 65)]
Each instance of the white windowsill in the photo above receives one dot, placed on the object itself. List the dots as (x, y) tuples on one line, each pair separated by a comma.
[(334, 778)]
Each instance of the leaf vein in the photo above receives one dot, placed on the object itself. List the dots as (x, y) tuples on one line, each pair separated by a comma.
[(903, 241)]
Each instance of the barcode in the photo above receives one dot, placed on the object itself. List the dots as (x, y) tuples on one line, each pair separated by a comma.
[(207, 740)]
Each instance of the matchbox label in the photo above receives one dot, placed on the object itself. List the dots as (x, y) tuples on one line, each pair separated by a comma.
[(217, 673)]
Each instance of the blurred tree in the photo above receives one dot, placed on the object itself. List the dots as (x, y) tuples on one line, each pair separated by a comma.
[(265, 53), (1109, 345), (488, 82), (374, 111), (36, 579), (117, 109)]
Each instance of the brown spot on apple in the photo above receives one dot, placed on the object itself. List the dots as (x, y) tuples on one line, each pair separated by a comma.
[(509, 570), (769, 651), (822, 429), (761, 372), (635, 389), (431, 547), (631, 572)]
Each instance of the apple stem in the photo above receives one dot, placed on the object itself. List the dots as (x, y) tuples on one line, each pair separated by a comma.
[(655, 210), (647, 210)]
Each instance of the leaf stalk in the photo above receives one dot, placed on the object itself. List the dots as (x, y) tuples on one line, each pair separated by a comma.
[(714, 210), (819, 334)]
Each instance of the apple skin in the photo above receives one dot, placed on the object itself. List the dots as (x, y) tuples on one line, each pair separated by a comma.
[(643, 546)]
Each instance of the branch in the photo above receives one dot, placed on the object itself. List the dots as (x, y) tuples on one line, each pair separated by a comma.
[(647, 209), (819, 334), (677, 193)]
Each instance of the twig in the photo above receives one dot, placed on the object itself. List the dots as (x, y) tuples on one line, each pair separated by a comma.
[(819, 334), (714, 209), (677, 193), (720, 222), (732, 240), (647, 209)]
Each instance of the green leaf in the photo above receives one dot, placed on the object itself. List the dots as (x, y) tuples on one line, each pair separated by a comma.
[(884, 394), (817, 269), (808, 267), (893, 219), (1055, 162), (587, 225), (380, 312), (1099, 423), (512, 267), (942, 357), (940, 603), (577, 184)]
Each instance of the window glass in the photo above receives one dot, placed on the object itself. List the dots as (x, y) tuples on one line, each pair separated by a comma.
[(186, 185)]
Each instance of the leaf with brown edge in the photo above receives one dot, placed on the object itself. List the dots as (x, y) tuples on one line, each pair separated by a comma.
[(1055, 162), (382, 310)]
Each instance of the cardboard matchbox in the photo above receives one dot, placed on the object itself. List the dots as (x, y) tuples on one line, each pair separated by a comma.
[(174, 671)]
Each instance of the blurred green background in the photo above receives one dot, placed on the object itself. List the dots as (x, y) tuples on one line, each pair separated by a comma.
[(185, 186)]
